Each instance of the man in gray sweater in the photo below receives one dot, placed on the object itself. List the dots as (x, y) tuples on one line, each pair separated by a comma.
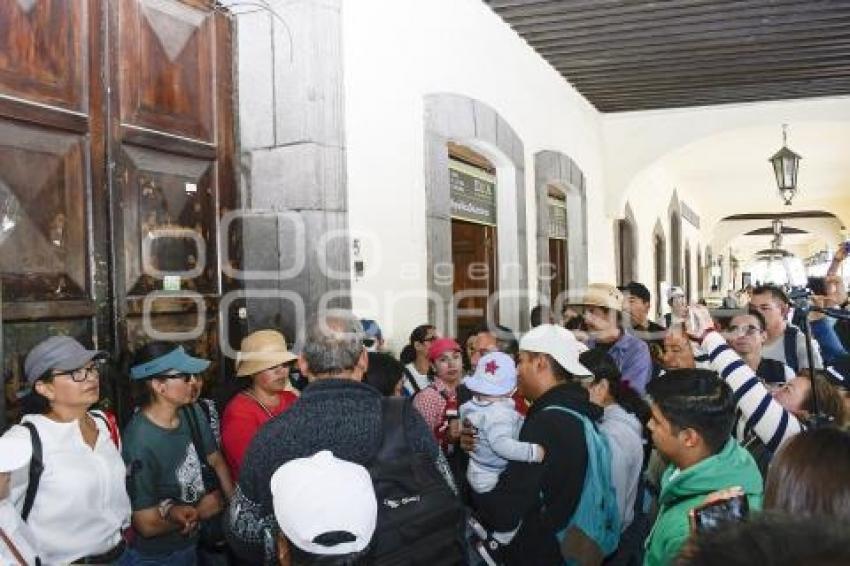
[(336, 412)]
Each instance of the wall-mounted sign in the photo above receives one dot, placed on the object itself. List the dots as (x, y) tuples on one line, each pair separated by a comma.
[(689, 215), (557, 219), (473, 193)]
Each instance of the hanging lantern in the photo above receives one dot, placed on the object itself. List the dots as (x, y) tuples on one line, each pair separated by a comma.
[(785, 166)]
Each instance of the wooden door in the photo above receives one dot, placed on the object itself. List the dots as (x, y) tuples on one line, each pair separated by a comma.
[(53, 214), (106, 137), (474, 258), (171, 143), (560, 275)]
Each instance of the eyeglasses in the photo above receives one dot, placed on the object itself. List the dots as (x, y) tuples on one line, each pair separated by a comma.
[(81, 374), (745, 330)]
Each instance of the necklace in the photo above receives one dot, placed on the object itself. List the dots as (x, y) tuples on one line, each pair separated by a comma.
[(262, 405)]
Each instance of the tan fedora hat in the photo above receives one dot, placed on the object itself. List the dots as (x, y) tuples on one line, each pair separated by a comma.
[(261, 350), (601, 295)]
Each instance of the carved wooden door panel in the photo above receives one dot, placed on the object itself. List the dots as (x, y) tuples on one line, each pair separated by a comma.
[(116, 144), (171, 144), (53, 228)]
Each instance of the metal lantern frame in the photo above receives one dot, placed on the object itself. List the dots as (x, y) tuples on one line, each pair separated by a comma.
[(786, 165)]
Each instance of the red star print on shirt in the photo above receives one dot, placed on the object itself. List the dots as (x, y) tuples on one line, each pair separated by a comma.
[(491, 367)]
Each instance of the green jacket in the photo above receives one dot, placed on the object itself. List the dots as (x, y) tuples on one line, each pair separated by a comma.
[(732, 466)]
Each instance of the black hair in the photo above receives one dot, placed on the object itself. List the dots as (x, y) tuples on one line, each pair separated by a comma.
[(464, 356), (304, 558), (562, 375), (727, 320), (697, 399), (506, 340), (603, 366), (538, 313), (770, 539), (420, 333), (384, 373), (758, 315), (34, 403), (774, 290)]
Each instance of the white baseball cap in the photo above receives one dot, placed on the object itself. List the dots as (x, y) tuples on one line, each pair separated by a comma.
[(320, 495), (14, 453), (495, 374), (559, 343)]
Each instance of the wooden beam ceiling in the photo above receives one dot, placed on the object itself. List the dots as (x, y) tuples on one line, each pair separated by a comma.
[(637, 55)]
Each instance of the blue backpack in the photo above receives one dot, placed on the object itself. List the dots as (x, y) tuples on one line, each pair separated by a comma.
[(596, 516)]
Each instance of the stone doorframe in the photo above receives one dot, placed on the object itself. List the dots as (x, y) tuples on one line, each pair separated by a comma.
[(555, 168), (631, 222), (674, 213), (472, 123)]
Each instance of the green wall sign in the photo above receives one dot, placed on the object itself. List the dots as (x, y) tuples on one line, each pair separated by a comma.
[(473, 193)]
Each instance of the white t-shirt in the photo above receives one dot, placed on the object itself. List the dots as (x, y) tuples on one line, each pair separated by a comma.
[(19, 535), (81, 505), (421, 380)]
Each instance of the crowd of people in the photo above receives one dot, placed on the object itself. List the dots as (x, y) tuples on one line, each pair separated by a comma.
[(597, 437)]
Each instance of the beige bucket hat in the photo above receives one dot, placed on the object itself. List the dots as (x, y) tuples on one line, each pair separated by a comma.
[(261, 350), (601, 295)]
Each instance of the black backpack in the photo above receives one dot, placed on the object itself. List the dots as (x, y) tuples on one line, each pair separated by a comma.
[(420, 519)]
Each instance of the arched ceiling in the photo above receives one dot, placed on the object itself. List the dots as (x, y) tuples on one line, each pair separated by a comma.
[(729, 173), (803, 233)]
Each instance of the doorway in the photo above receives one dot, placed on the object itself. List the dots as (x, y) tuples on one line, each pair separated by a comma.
[(474, 256), (558, 244), (472, 182), (660, 272)]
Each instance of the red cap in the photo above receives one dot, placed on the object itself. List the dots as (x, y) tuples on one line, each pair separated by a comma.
[(440, 346)]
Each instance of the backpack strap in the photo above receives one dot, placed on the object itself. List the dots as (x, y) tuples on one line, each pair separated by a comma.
[(36, 469), (111, 426), (790, 343), (188, 412), (411, 380)]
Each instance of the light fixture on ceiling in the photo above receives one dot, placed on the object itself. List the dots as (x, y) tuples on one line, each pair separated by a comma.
[(785, 166)]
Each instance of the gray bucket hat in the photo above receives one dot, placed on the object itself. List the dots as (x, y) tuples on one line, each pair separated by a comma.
[(57, 352)]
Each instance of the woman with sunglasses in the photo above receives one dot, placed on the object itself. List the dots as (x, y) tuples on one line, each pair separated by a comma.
[(167, 445), (77, 509), (265, 361)]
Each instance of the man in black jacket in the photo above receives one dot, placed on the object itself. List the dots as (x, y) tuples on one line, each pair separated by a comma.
[(548, 373)]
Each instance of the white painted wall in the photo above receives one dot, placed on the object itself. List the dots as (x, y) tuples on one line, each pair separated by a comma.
[(397, 51)]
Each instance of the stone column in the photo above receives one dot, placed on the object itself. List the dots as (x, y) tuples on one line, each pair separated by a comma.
[(292, 150)]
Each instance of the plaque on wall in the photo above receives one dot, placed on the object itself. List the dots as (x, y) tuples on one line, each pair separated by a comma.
[(472, 193), (557, 219)]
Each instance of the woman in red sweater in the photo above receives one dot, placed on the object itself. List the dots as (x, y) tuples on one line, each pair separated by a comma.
[(265, 359)]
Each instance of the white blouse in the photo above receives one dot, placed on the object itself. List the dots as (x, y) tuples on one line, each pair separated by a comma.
[(81, 505)]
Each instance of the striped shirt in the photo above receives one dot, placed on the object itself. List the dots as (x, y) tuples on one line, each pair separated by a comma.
[(763, 415)]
